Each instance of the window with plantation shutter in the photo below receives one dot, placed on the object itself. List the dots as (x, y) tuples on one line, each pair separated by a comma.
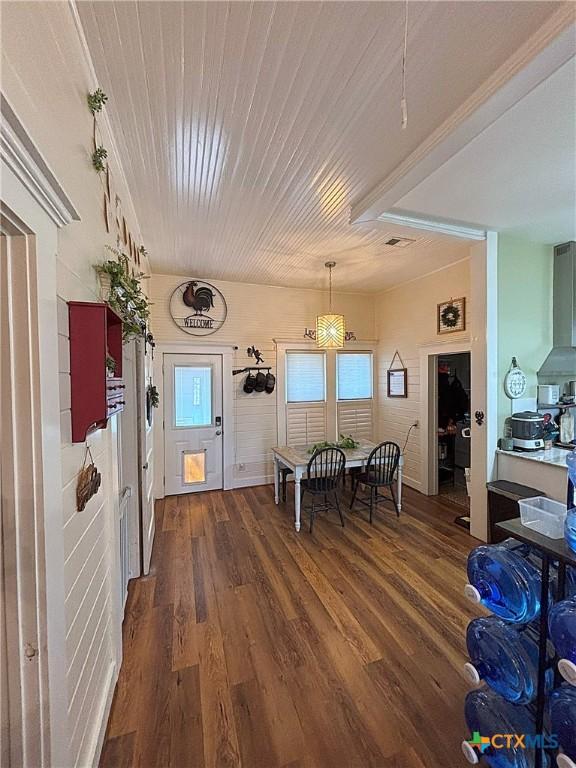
[(354, 383), (306, 397), (325, 393)]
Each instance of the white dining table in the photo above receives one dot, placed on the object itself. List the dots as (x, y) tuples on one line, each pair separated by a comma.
[(296, 458)]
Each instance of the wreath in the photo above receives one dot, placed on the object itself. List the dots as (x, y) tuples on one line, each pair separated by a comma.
[(450, 315)]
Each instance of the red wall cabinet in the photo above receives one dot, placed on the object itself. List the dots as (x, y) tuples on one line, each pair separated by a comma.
[(95, 333)]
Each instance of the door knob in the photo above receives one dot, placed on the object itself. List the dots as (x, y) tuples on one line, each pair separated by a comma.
[(218, 431)]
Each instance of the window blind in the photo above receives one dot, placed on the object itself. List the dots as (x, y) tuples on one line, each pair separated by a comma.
[(305, 377), (354, 375)]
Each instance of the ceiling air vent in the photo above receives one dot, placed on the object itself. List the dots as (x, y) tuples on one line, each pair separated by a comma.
[(400, 242)]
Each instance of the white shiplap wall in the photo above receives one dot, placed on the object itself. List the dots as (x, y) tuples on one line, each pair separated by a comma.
[(257, 315), (406, 321), (45, 78)]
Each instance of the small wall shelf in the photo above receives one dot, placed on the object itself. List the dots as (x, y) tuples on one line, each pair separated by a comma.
[(95, 334)]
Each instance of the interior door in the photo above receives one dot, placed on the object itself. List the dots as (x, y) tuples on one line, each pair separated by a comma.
[(146, 414), (192, 423)]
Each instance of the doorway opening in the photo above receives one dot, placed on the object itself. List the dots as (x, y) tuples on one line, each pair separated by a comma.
[(453, 397)]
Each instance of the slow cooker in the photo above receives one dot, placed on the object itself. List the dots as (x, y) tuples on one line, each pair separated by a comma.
[(528, 430)]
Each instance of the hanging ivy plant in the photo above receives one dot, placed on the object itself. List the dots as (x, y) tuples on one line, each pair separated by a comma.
[(98, 157), (96, 100), (154, 396), (152, 401), (125, 295), (450, 315)]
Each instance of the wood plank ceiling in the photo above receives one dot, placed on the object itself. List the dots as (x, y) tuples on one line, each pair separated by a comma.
[(247, 130)]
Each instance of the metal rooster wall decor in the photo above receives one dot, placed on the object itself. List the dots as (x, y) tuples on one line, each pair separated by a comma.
[(198, 308)]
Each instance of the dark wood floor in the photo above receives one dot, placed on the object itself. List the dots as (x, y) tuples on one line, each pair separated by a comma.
[(251, 645)]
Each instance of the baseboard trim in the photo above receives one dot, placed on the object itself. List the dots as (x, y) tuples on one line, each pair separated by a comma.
[(241, 482), (104, 714), (415, 484)]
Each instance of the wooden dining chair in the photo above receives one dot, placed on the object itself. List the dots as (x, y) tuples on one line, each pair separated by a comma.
[(379, 473), (325, 470), (284, 472)]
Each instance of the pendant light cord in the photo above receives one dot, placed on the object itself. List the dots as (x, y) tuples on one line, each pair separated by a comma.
[(403, 104), (330, 292)]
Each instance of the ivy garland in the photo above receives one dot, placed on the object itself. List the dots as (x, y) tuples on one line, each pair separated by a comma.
[(125, 295), (450, 315), (98, 157), (96, 100)]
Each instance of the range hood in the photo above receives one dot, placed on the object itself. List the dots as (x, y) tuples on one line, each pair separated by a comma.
[(561, 362)]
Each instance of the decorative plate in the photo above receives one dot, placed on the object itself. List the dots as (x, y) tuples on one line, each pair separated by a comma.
[(515, 381)]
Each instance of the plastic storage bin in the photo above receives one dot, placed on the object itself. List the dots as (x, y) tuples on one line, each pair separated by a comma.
[(543, 515)]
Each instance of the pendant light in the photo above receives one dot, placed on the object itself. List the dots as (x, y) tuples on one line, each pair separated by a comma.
[(330, 329)]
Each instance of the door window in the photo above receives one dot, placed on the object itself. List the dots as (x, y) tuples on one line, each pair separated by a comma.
[(192, 396)]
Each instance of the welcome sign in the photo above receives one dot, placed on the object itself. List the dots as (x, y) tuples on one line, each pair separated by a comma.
[(198, 308)]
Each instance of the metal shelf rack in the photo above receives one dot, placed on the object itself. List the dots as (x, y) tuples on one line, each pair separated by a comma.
[(551, 550)]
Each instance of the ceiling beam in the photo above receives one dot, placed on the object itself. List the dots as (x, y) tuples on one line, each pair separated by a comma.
[(541, 55), (410, 220)]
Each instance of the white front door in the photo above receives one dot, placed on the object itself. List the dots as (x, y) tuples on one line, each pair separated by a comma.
[(192, 423)]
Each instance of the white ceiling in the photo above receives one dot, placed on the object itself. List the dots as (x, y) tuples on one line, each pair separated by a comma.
[(247, 130), (519, 175)]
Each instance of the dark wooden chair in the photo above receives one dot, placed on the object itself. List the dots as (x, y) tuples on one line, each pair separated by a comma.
[(325, 470), (284, 472), (379, 473)]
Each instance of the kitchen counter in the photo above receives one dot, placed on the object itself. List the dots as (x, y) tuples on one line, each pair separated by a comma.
[(545, 470), (555, 456)]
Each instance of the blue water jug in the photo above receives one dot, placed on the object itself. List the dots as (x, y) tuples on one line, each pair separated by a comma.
[(563, 722), (570, 582), (488, 714), (505, 657), (505, 578), (562, 627), (570, 529), (570, 524)]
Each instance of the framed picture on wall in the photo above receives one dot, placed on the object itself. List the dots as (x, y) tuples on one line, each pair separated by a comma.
[(452, 315), (397, 382)]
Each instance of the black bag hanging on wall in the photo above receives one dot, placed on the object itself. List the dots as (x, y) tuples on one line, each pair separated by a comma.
[(270, 383), (249, 384), (260, 382)]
